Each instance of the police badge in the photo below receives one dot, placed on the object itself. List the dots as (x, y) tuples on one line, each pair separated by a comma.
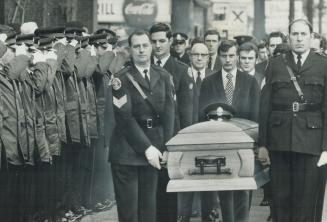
[(190, 86), (115, 83)]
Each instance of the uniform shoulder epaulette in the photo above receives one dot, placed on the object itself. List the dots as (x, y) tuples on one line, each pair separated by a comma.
[(321, 54), (122, 71)]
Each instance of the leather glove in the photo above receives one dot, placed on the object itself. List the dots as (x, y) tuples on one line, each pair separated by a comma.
[(21, 50), (3, 37), (73, 42), (323, 159), (38, 56), (62, 41), (51, 55), (153, 156), (263, 156), (92, 51)]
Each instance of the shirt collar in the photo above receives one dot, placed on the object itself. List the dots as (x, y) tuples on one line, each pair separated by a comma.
[(303, 56), (195, 71), (233, 72), (141, 70), (252, 72), (213, 60), (163, 60)]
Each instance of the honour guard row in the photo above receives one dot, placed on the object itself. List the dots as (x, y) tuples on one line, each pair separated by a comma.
[(71, 102)]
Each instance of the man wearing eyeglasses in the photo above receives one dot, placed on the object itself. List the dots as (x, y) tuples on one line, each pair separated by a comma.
[(241, 91), (180, 46), (199, 58)]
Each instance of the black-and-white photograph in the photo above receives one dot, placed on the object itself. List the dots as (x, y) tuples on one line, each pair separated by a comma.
[(163, 110)]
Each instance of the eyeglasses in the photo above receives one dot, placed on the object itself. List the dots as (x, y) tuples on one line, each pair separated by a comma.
[(199, 55)]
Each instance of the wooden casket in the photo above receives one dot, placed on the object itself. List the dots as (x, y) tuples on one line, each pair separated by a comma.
[(215, 155)]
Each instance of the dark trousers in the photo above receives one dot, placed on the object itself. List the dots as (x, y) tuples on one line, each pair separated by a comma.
[(209, 201), (135, 191), (166, 202), (102, 185), (17, 203), (295, 183), (234, 205)]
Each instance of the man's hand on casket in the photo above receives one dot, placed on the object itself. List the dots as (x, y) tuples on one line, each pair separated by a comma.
[(153, 156), (263, 156), (323, 159)]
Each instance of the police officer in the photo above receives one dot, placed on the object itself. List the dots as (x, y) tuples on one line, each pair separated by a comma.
[(144, 114), (292, 126), (180, 47)]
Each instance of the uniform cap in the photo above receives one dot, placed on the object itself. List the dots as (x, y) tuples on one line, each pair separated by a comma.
[(28, 28), (219, 110), (73, 32), (6, 29), (98, 39), (54, 32), (26, 39), (105, 31), (84, 41), (179, 37), (240, 39), (11, 39), (44, 43)]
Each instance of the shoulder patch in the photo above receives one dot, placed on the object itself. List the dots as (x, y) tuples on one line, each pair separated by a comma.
[(120, 102)]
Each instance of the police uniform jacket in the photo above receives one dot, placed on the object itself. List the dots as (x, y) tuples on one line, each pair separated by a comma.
[(131, 137), (90, 90), (181, 80), (13, 132), (72, 97), (245, 97), (101, 79), (281, 129), (60, 92), (80, 66)]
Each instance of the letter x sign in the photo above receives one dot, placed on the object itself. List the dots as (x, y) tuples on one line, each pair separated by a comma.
[(238, 16)]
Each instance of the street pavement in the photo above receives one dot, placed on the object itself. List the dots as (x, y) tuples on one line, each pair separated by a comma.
[(257, 213)]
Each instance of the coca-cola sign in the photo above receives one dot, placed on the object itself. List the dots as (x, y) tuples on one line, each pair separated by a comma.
[(140, 13)]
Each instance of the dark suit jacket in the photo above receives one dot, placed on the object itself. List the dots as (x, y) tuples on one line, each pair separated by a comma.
[(303, 132), (217, 63), (245, 96), (196, 95), (129, 139), (261, 67), (259, 77), (181, 80)]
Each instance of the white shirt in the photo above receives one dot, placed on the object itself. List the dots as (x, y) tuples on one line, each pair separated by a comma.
[(224, 75), (304, 56), (163, 60), (141, 70), (252, 72), (213, 61), (195, 73)]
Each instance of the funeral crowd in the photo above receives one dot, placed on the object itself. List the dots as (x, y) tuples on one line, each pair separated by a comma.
[(72, 102)]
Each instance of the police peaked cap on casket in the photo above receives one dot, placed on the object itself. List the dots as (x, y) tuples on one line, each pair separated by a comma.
[(219, 110)]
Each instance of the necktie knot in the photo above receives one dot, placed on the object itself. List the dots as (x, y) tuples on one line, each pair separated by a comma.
[(229, 76), (299, 62), (159, 62), (210, 62), (146, 76)]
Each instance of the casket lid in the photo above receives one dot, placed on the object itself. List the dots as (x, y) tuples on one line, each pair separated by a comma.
[(212, 135)]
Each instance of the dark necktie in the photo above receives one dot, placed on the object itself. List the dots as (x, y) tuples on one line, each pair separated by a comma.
[(159, 62), (299, 64), (146, 77), (210, 63), (198, 80), (229, 89)]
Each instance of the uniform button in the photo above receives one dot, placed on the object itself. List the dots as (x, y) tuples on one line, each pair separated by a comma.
[(151, 93), (295, 115), (298, 76)]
